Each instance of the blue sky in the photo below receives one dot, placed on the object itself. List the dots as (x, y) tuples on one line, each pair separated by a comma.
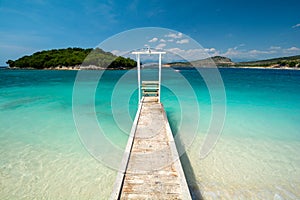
[(241, 30)]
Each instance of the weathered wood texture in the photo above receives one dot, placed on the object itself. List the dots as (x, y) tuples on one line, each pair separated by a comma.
[(154, 170)]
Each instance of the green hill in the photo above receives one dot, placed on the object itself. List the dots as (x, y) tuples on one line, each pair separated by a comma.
[(217, 60), (291, 61), (72, 57)]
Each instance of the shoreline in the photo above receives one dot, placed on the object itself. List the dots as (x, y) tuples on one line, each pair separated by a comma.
[(259, 67), (64, 68), (101, 68)]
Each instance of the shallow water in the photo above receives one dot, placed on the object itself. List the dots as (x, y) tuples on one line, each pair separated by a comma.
[(256, 156)]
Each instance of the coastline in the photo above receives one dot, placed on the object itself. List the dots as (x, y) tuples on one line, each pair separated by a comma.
[(259, 67), (63, 68), (77, 68)]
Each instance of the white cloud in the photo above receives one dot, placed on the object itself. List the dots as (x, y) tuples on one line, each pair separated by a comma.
[(162, 40), (176, 50), (232, 52), (254, 51), (293, 49), (210, 50), (254, 54), (295, 26), (237, 47), (190, 54), (171, 40), (115, 52), (174, 35), (120, 53), (160, 46), (275, 48), (183, 41), (153, 40)]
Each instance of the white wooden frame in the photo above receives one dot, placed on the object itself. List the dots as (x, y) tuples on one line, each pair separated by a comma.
[(148, 52)]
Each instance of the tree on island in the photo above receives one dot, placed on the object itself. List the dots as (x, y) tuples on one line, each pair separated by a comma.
[(121, 62), (292, 64)]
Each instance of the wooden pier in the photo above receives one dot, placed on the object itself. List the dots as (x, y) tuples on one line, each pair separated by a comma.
[(151, 168)]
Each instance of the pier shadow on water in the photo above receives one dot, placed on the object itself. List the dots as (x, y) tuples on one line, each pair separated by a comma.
[(187, 167)]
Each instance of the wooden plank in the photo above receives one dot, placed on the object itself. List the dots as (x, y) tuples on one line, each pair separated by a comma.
[(150, 82), (149, 93), (147, 84), (150, 88)]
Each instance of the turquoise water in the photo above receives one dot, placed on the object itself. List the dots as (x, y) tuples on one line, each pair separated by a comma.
[(256, 156)]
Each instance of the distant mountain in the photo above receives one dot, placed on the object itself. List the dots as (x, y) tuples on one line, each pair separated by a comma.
[(220, 61), (216, 60)]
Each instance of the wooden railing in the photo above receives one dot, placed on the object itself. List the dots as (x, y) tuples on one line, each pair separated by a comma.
[(150, 88)]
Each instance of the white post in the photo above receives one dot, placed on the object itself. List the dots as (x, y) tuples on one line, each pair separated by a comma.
[(159, 77), (139, 76)]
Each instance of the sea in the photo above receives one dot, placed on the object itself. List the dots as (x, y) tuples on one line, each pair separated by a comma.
[(44, 155)]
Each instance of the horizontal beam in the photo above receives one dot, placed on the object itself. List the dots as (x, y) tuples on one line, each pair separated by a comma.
[(150, 82), (148, 52)]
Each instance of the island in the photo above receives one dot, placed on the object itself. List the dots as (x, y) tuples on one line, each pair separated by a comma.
[(72, 58)]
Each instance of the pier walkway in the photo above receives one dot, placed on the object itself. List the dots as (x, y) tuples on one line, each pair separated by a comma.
[(151, 167)]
